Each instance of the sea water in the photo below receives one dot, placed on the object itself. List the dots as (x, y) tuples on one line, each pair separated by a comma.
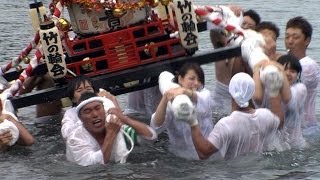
[(46, 159)]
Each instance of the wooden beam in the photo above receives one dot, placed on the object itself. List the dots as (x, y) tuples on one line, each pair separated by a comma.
[(129, 80)]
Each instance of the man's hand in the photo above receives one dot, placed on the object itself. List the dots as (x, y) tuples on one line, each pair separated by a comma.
[(5, 138)]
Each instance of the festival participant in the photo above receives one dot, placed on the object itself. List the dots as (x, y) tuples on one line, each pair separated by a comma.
[(76, 87), (245, 130), (250, 19), (296, 92), (189, 82), (100, 139), (294, 110), (224, 69), (13, 132), (42, 82), (297, 39), (270, 32)]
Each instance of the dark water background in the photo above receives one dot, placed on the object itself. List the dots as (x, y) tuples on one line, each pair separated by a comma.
[(46, 160)]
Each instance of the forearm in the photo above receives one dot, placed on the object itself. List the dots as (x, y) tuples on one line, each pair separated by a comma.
[(140, 128), (25, 138), (191, 94), (285, 90), (259, 90), (276, 108), (203, 147), (160, 114), (107, 146)]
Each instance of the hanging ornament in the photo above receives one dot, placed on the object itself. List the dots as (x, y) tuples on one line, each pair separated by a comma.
[(153, 3), (148, 50), (165, 2), (26, 60), (118, 12), (19, 68), (141, 3), (87, 66), (63, 24)]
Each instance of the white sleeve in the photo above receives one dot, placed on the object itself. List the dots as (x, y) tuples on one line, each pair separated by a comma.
[(82, 152), (159, 129), (219, 137), (204, 101), (298, 96), (69, 123), (310, 75)]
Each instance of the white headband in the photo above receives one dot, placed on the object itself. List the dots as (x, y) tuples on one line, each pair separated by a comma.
[(85, 102)]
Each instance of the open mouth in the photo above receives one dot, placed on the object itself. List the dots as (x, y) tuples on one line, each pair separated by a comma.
[(97, 122)]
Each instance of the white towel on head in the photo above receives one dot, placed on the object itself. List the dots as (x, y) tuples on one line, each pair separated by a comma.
[(9, 126), (241, 88)]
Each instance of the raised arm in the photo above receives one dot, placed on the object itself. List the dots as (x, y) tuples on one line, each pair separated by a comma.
[(204, 148), (276, 108), (141, 129), (25, 138)]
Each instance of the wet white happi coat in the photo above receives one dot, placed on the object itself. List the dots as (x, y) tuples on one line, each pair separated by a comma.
[(242, 133), (179, 132), (84, 150), (69, 122), (310, 76), (294, 115)]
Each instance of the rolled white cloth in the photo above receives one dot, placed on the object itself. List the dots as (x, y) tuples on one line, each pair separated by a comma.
[(7, 125), (183, 109), (181, 105), (272, 79), (166, 82), (241, 88), (252, 48)]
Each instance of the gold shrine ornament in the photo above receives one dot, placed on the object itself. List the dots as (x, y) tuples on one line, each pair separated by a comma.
[(87, 66), (26, 60), (63, 25), (153, 3), (19, 68), (118, 12), (165, 2)]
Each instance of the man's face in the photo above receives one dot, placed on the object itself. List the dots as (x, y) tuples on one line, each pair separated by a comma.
[(93, 117), (295, 40)]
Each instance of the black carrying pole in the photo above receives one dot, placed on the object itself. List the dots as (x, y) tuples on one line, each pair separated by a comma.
[(129, 80)]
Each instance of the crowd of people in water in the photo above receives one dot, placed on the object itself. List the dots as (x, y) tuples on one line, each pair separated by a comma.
[(255, 114)]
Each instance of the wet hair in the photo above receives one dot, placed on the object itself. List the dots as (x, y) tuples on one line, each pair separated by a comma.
[(190, 66), (289, 61), (87, 95), (268, 25), (300, 23), (76, 82), (253, 15)]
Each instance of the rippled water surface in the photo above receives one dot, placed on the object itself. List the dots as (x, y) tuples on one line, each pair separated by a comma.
[(46, 160)]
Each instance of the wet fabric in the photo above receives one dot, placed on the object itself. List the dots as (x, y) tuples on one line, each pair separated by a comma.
[(241, 88), (294, 115), (7, 125), (242, 133), (84, 150), (310, 76), (69, 122), (179, 132)]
